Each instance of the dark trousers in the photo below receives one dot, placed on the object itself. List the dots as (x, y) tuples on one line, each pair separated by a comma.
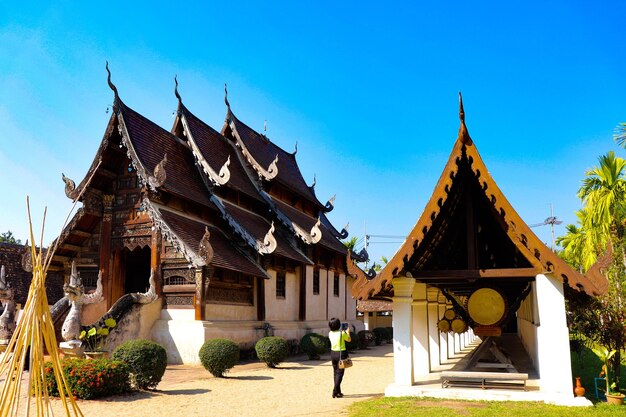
[(338, 373)]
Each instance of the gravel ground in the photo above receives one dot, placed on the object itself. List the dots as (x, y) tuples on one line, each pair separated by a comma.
[(296, 388)]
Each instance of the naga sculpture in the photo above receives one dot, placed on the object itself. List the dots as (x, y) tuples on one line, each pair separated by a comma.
[(75, 294), (7, 319)]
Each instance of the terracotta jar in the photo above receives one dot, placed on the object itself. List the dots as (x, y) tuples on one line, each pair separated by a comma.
[(579, 390)]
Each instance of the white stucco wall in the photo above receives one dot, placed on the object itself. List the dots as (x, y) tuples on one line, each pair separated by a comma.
[(282, 308), (316, 303), (336, 306)]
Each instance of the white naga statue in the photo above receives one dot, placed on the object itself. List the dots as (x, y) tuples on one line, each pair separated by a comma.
[(76, 296), (7, 319)]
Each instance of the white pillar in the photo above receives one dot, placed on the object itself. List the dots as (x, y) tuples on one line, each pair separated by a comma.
[(457, 343), (366, 320), (402, 330), (421, 354), (553, 354), (433, 334), (450, 336), (443, 338)]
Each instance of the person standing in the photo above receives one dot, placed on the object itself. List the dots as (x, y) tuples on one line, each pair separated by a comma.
[(338, 336)]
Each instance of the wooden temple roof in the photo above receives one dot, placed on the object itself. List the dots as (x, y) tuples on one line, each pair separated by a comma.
[(264, 154), (214, 185), (470, 235)]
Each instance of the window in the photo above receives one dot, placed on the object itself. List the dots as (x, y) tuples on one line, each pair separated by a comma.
[(336, 286), (316, 281), (280, 284)]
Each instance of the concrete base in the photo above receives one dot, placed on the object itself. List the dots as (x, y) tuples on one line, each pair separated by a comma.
[(471, 394)]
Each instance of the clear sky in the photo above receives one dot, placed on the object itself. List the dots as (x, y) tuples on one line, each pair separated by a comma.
[(368, 90)]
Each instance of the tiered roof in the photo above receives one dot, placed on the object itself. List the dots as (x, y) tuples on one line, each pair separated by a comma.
[(215, 180)]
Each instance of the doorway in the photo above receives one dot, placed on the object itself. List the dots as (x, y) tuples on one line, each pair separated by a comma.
[(137, 270)]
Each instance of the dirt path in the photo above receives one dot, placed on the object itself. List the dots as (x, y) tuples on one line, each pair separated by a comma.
[(300, 388)]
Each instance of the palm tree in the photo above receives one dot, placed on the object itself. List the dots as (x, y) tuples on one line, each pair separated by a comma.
[(581, 246), (620, 135), (603, 194)]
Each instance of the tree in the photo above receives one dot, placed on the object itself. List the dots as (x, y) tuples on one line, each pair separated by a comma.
[(351, 243), (8, 237), (601, 229)]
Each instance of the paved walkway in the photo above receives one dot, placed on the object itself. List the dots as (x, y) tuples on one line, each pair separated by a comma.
[(296, 388)]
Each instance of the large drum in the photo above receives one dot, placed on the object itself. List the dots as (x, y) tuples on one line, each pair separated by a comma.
[(487, 307)]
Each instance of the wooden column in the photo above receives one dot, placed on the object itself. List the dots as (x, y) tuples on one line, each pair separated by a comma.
[(260, 299), (200, 296), (302, 311), (106, 261), (155, 259)]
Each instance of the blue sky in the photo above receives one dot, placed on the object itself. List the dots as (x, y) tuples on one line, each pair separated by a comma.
[(369, 92)]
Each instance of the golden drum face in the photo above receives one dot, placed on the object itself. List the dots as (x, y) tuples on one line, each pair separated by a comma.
[(486, 306)]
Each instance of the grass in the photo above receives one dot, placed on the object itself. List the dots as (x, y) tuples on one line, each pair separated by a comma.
[(586, 365), (429, 407)]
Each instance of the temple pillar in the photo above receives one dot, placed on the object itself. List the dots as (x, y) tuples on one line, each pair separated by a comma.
[(433, 331), (443, 337), (421, 353), (366, 320), (155, 259), (402, 329), (199, 298), (457, 343), (106, 259), (553, 351)]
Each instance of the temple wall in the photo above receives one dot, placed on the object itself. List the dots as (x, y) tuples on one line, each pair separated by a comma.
[(336, 306), (316, 303), (351, 301), (286, 308), (230, 312)]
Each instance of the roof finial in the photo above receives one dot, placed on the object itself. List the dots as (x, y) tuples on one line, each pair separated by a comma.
[(111, 85), (295, 151), (180, 101), (226, 96), (461, 111), (463, 133)]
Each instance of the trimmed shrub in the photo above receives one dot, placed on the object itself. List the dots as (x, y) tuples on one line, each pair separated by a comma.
[(366, 339), (218, 356), (272, 350), (381, 335), (314, 345), (390, 330), (89, 378), (146, 359), (352, 345)]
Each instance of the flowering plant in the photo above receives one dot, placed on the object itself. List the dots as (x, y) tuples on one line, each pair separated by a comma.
[(95, 336)]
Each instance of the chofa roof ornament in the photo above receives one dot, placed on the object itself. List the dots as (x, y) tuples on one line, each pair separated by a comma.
[(205, 250), (112, 86), (463, 133), (269, 241), (316, 232)]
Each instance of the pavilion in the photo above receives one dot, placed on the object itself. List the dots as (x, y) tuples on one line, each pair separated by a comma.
[(468, 242)]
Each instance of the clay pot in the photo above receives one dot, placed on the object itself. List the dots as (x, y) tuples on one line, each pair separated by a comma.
[(617, 399), (579, 390)]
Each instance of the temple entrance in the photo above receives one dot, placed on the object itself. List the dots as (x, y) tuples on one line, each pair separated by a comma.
[(137, 270)]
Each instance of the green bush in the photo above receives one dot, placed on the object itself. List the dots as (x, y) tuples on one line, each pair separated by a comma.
[(272, 350), (352, 345), (366, 339), (381, 334), (146, 359), (218, 356), (314, 345), (89, 378)]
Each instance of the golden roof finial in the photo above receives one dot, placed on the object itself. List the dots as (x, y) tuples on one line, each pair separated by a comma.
[(111, 85), (463, 133)]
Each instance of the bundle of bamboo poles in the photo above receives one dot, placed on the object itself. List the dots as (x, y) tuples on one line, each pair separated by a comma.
[(35, 330)]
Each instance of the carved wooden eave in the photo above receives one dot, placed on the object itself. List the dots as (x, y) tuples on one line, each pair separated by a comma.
[(329, 206), (192, 256), (258, 245), (216, 178), (268, 173), (530, 246), (357, 273)]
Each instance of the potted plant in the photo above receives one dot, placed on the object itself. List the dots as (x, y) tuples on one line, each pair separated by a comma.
[(612, 395), (95, 336)]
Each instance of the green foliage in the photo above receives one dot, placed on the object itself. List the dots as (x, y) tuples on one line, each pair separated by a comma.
[(146, 359), (381, 335), (8, 237), (89, 379), (218, 356), (272, 350), (314, 345), (366, 339), (353, 344), (95, 336)]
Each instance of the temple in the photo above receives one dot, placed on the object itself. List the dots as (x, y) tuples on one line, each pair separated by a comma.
[(469, 268), (238, 244)]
